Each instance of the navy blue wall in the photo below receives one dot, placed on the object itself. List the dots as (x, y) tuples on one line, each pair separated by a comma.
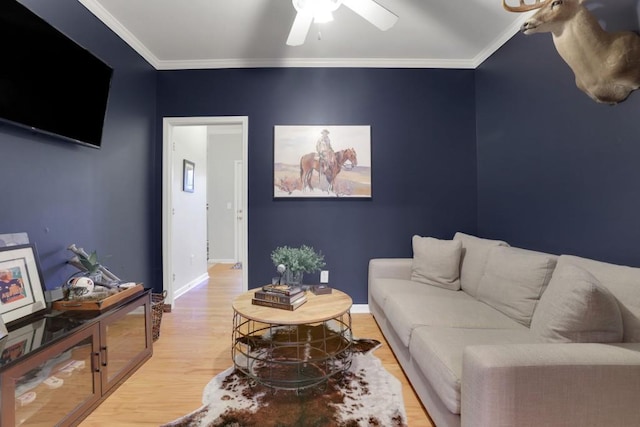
[(423, 157), (62, 193), (557, 171)]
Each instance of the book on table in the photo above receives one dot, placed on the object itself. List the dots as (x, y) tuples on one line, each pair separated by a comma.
[(282, 289), (278, 296), (284, 306)]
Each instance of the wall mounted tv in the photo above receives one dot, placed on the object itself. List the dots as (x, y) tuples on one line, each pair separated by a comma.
[(47, 81)]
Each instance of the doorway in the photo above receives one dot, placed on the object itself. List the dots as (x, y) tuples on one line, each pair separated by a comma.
[(172, 176)]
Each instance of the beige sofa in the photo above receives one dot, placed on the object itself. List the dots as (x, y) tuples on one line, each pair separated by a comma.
[(491, 335)]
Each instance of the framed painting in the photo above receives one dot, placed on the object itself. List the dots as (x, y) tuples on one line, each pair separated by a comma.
[(188, 176), (21, 291), (322, 162)]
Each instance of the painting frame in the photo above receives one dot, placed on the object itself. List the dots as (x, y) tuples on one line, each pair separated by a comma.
[(21, 284), (322, 161), (188, 176)]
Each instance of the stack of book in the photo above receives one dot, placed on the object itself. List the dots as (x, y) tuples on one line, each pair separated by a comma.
[(280, 296)]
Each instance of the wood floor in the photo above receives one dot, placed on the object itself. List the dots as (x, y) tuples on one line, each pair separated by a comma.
[(194, 345)]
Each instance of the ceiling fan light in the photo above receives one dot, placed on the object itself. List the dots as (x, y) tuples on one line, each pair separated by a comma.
[(316, 7), (322, 16)]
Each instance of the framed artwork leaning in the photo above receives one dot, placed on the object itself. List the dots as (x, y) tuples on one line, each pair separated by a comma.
[(21, 292), (322, 162)]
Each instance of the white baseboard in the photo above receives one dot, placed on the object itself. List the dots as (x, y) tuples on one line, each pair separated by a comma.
[(360, 309), (177, 293)]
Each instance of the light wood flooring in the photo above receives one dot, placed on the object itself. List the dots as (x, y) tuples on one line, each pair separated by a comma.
[(194, 346)]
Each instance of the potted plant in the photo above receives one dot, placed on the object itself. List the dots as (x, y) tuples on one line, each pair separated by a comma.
[(298, 261)]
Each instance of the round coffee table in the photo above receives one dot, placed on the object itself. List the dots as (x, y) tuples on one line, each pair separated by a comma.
[(295, 349)]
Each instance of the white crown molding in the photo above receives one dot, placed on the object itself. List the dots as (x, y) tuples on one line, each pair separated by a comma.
[(315, 62), (110, 21), (508, 33)]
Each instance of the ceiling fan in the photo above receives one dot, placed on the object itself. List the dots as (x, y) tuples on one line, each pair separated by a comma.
[(310, 11)]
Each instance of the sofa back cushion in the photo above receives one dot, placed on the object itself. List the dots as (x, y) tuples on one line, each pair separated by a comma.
[(436, 262), (623, 282), (514, 280), (575, 307), (475, 252)]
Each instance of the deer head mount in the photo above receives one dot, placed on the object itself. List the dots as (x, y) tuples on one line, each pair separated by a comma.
[(606, 64)]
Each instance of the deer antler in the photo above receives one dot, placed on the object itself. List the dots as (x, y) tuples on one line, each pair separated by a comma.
[(524, 6)]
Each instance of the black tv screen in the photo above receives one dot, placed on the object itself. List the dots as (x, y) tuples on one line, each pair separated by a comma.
[(47, 81)]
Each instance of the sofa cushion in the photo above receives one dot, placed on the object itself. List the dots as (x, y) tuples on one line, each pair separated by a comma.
[(433, 306), (514, 280), (438, 354), (577, 308), (381, 288), (475, 251), (623, 282), (436, 262)]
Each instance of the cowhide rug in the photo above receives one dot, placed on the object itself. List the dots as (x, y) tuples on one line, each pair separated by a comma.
[(363, 395)]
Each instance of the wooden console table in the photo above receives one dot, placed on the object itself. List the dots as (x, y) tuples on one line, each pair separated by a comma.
[(292, 349), (55, 369)]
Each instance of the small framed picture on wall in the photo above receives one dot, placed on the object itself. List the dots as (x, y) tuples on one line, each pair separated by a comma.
[(188, 176)]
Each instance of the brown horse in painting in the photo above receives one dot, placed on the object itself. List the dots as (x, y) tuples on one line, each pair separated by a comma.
[(331, 167)]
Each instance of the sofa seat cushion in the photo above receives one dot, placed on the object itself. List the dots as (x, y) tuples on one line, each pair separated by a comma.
[(438, 351), (623, 282), (514, 280), (475, 252), (436, 262), (433, 306)]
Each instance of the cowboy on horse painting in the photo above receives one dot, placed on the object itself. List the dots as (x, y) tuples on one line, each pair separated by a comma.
[(325, 151), (315, 161), (327, 162)]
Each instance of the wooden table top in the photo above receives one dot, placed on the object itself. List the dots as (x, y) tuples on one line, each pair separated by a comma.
[(318, 308)]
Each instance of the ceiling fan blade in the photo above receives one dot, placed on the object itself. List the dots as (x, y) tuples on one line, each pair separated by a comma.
[(373, 12), (300, 29)]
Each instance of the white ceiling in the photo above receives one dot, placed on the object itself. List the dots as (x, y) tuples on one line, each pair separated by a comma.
[(190, 34)]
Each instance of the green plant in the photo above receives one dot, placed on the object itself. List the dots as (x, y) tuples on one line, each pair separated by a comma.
[(304, 258), (90, 262)]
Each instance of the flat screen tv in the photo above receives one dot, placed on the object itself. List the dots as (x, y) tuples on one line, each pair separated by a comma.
[(48, 82)]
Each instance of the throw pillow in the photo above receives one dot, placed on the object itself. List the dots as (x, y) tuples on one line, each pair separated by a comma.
[(475, 252), (514, 280), (576, 307), (436, 262)]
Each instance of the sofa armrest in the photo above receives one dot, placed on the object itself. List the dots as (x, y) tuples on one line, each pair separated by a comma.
[(551, 385), (390, 268)]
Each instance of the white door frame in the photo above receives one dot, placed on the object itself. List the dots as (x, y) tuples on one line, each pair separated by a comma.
[(240, 216), (167, 191)]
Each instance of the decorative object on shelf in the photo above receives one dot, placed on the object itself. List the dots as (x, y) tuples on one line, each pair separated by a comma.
[(91, 267), (320, 289), (188, 176), (77, 287), (98, 301), (308, 164), (21, 284), (298, 261)]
